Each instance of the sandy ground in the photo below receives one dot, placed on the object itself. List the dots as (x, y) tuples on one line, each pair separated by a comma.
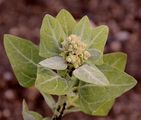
[(23, 18)]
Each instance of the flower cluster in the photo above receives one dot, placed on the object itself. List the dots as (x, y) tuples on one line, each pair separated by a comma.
[(74, 51)]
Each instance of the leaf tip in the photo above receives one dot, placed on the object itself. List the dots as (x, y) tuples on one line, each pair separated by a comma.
[(86, 18), (63, 11), (6, 38), (105, 27), (47, 17)]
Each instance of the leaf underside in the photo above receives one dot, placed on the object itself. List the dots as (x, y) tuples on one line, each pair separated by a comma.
[(90, 74), (56, 63)]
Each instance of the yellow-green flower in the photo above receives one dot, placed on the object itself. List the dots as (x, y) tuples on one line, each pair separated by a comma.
[(74, 51)]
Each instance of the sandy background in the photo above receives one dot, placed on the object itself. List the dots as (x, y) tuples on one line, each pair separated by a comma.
[(23, 18)]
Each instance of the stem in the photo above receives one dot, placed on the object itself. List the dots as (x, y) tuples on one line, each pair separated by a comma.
[(60, 107)]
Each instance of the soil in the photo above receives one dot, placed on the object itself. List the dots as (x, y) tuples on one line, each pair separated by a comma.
[(23, 18)]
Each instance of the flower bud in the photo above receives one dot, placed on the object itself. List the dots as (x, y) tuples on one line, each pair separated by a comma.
[(68, 59), (75, 51)]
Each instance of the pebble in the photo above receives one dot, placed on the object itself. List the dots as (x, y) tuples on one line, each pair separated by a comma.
[(114, 27), (1, 1), (9, 94), (6, 113), (14, 31), (122, 35), (115, 46), (8, 76)]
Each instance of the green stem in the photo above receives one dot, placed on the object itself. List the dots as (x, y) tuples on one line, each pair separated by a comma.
[(60, 107)]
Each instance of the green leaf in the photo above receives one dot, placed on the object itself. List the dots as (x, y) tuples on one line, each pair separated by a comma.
[(117, 59), (96, 57), (67, 21), (30, 115), (99, 37), (104, 108), (92, 96), (50, 82), (90, 74), (56, 62), (83, 30), (23, 56), (49, 100), (51, 34)]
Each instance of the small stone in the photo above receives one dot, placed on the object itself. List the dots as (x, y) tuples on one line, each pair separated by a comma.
[(6, 113), (122, 35), (14, 31), (115, 46), (7, 76), (1, 1), (9, 94)]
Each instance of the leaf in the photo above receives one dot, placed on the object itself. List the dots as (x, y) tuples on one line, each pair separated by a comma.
[(83, 30), (30, 115), (56, 62), (51, 34), (50, 82), (98, 37), (117, 59), (104, 108), (49, 100), (23, 56), (67, 21), (91, 96), (96, 57), (90, 74)]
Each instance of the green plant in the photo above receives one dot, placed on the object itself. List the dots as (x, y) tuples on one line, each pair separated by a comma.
[(69, 63)]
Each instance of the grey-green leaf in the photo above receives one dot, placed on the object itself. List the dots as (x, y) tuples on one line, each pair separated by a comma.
[(67, 21), (92, 96), (90, 74), (30, 115), (99, 37), (96, 57), (56, 62), (51, 35), (83, 30), (104, 108), (117, 59), (50, 82), (49, 100), (23, 56)]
